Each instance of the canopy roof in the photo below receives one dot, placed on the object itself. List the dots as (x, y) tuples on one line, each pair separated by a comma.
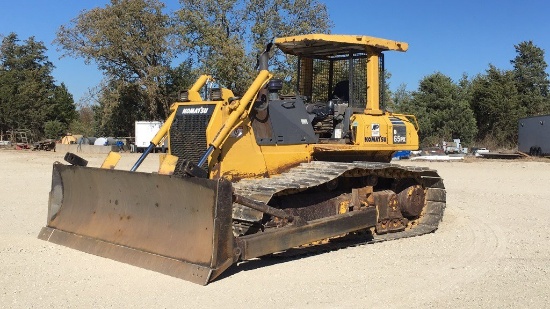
[(331, 45)]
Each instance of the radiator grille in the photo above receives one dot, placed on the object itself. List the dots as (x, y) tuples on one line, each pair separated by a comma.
[(188, 132)]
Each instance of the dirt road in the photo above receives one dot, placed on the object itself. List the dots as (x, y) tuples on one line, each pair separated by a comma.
[(491, 251)]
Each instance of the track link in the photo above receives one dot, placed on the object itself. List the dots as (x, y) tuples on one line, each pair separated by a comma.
[(308, 175)]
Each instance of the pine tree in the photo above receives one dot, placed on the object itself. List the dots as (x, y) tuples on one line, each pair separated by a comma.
[(441, 110), (531, 78), (28, 95), (496, 105)]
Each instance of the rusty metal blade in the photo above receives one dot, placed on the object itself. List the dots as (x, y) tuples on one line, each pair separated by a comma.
[(176, 226)]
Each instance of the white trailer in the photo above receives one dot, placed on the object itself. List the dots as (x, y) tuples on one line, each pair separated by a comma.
[(534, 135), (145, 131)]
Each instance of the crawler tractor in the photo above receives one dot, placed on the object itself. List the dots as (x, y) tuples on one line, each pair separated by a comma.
[(249, 176)]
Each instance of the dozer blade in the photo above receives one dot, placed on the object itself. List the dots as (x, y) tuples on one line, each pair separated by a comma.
[(177, 226)]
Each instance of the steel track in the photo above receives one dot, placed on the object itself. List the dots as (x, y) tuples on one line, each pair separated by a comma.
[(308, 175)]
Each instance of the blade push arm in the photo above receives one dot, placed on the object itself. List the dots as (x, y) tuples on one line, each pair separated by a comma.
[(156, 140), (240, 109)]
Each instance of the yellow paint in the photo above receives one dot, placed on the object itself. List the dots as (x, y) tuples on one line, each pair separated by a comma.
[(194, 90), (315, 42), (162, 156), (241, 157), (168, 165), (111, 161), (233, 119), (344, 207), (237, 154), (70, 139), (373, 84), (279, 158), (227, 94), (383, 138), (163, 131), (219, 117)]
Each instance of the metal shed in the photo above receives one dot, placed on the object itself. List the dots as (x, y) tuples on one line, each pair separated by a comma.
[(534, 135)]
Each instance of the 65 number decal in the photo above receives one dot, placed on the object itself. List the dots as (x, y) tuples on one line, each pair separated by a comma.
[(399, 139)]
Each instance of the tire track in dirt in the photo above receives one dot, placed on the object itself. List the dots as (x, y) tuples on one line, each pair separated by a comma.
[(474, 245), (461, 251)]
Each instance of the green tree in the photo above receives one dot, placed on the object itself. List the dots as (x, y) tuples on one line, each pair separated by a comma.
[(180, 78), (496, 105), (225, 37), (84, 124), (386, 100), (131, 41), (531, 78), (401, 100), (63, 109), (441, 111), (28, 95), (54, 129), (465, 88), (118, 109)]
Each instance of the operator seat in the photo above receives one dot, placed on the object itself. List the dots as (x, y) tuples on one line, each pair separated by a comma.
[(341, 91)]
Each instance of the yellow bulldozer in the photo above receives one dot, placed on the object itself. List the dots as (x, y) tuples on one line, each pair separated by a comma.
[(249, 176)]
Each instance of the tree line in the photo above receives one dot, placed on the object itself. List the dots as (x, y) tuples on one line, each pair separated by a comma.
[(29, 98), (483, 110), (135, 43)]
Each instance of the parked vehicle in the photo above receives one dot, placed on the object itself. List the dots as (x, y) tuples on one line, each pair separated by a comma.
[(253, 175), (145, 131)]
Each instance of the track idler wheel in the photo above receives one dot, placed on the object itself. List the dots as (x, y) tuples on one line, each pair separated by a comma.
[(411, 201), (390, 218)]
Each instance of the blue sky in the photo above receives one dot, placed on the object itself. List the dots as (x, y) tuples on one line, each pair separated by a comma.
[(452, 37)]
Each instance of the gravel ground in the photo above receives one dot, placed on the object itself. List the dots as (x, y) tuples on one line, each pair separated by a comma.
[(491, 251)]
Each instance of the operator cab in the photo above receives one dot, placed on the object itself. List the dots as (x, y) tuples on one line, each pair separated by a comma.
[(338, 76)]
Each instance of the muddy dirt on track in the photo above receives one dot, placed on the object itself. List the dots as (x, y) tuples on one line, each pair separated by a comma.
[(492, 250)]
